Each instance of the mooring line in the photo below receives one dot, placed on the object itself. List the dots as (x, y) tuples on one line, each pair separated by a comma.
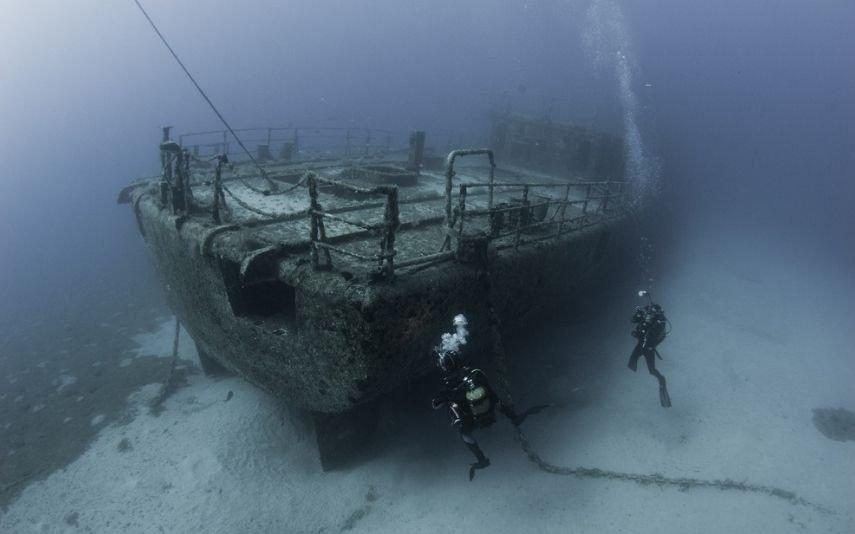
[(168, 385), (204, 95)]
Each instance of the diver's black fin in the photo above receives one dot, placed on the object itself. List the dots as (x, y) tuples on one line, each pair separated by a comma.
[(478, 465), (482, 462), (664, 398)]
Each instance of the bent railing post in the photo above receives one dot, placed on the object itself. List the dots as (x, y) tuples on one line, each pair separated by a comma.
[(449, 176)]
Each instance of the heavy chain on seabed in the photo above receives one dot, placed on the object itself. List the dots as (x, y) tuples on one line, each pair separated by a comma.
[(681, 483)]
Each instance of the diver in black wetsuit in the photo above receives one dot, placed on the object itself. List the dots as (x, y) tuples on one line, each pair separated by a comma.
[(650, 330), (472, 403)]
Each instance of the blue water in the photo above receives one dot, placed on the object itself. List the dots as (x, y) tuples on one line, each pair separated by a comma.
[(737, 117)]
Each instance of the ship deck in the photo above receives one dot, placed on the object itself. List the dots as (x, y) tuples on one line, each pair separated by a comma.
[(354, 221)]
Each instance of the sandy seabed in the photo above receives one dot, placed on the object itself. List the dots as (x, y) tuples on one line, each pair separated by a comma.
[(761, 337)]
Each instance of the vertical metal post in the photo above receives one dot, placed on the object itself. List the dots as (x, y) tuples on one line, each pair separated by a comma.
[(317, 233), (177, 188), (523, 209), (165, 175), (563, 210), (219, 199), (604, 204), (415, 157), (167, 166), (449, 175), (461, 209), (164, 156), (587, 199), (313, 221), (188, 192), (492, 181), (387, 245)]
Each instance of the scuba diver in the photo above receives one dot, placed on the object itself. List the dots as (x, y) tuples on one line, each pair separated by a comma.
[(651, 327), (471, 400)]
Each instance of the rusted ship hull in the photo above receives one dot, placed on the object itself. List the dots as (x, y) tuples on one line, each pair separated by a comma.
[(328, 282), (335, 343)]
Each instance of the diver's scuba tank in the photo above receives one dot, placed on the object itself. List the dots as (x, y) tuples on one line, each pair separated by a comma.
[(477, 396)]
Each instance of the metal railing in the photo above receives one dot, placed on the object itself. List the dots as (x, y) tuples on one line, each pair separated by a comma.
[(449, 178), (599, 201), (607, 194), (515, 221), (293, 143), (320, 244)]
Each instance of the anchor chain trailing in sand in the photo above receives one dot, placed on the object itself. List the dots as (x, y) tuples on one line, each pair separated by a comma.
[(682, 483)]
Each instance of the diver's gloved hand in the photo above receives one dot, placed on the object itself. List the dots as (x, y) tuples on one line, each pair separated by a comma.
[(478, 465), (436, 403)]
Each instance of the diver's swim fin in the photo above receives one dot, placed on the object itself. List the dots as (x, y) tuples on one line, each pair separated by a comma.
[(478, 465), (482, 462), (664, 398)]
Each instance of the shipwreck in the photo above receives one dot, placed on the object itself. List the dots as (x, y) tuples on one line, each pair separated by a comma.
[(323, 265)]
